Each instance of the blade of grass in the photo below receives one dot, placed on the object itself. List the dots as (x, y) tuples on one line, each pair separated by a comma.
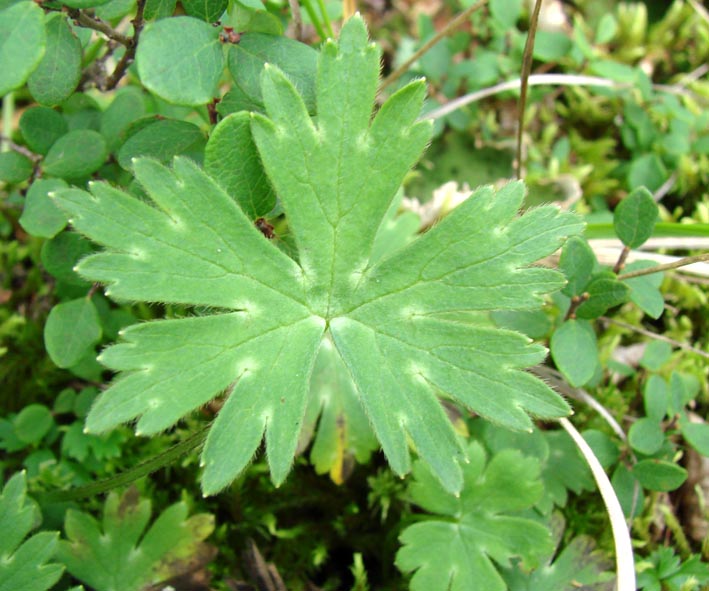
[(310, 9), (326, 18), (526, 70), (625, 564)]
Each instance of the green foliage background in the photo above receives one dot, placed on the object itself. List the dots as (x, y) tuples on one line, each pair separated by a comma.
[(123, 120)]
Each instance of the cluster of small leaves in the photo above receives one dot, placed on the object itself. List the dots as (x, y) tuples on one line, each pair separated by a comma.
[(592, 290)]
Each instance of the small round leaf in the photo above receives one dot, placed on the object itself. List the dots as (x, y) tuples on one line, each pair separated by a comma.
[(659, 475), (41, 217), (76, 154), (61, 254), (58, 73), (645, 290), (180, 59), (84, 3), (697, 435), (22, 43), (605, 291), (646, 436), (232, 159), (634, 218), (162, 141), (206, 10), (295, 59), (577, 262), (14, 167), (573, 348), (32, 423), (72, 330), (41, 127)]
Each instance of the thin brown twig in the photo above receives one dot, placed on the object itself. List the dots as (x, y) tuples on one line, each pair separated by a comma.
[(297, 17), (656, 336), (666, 267), (444, 32), (92, 22), (20, 149), (131, 48), (620, 263), (526, 70)]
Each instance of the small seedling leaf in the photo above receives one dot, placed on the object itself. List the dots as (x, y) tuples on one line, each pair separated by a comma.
[(634, 218), (574, 350)]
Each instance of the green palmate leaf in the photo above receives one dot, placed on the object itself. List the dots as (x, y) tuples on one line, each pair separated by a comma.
[(399, 323), (180, 59), (456, 550), (579, 565), (58, 73), (41, 127), (635, 217), (22, 43), (121, 556), (23, 566), (232, 159)]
